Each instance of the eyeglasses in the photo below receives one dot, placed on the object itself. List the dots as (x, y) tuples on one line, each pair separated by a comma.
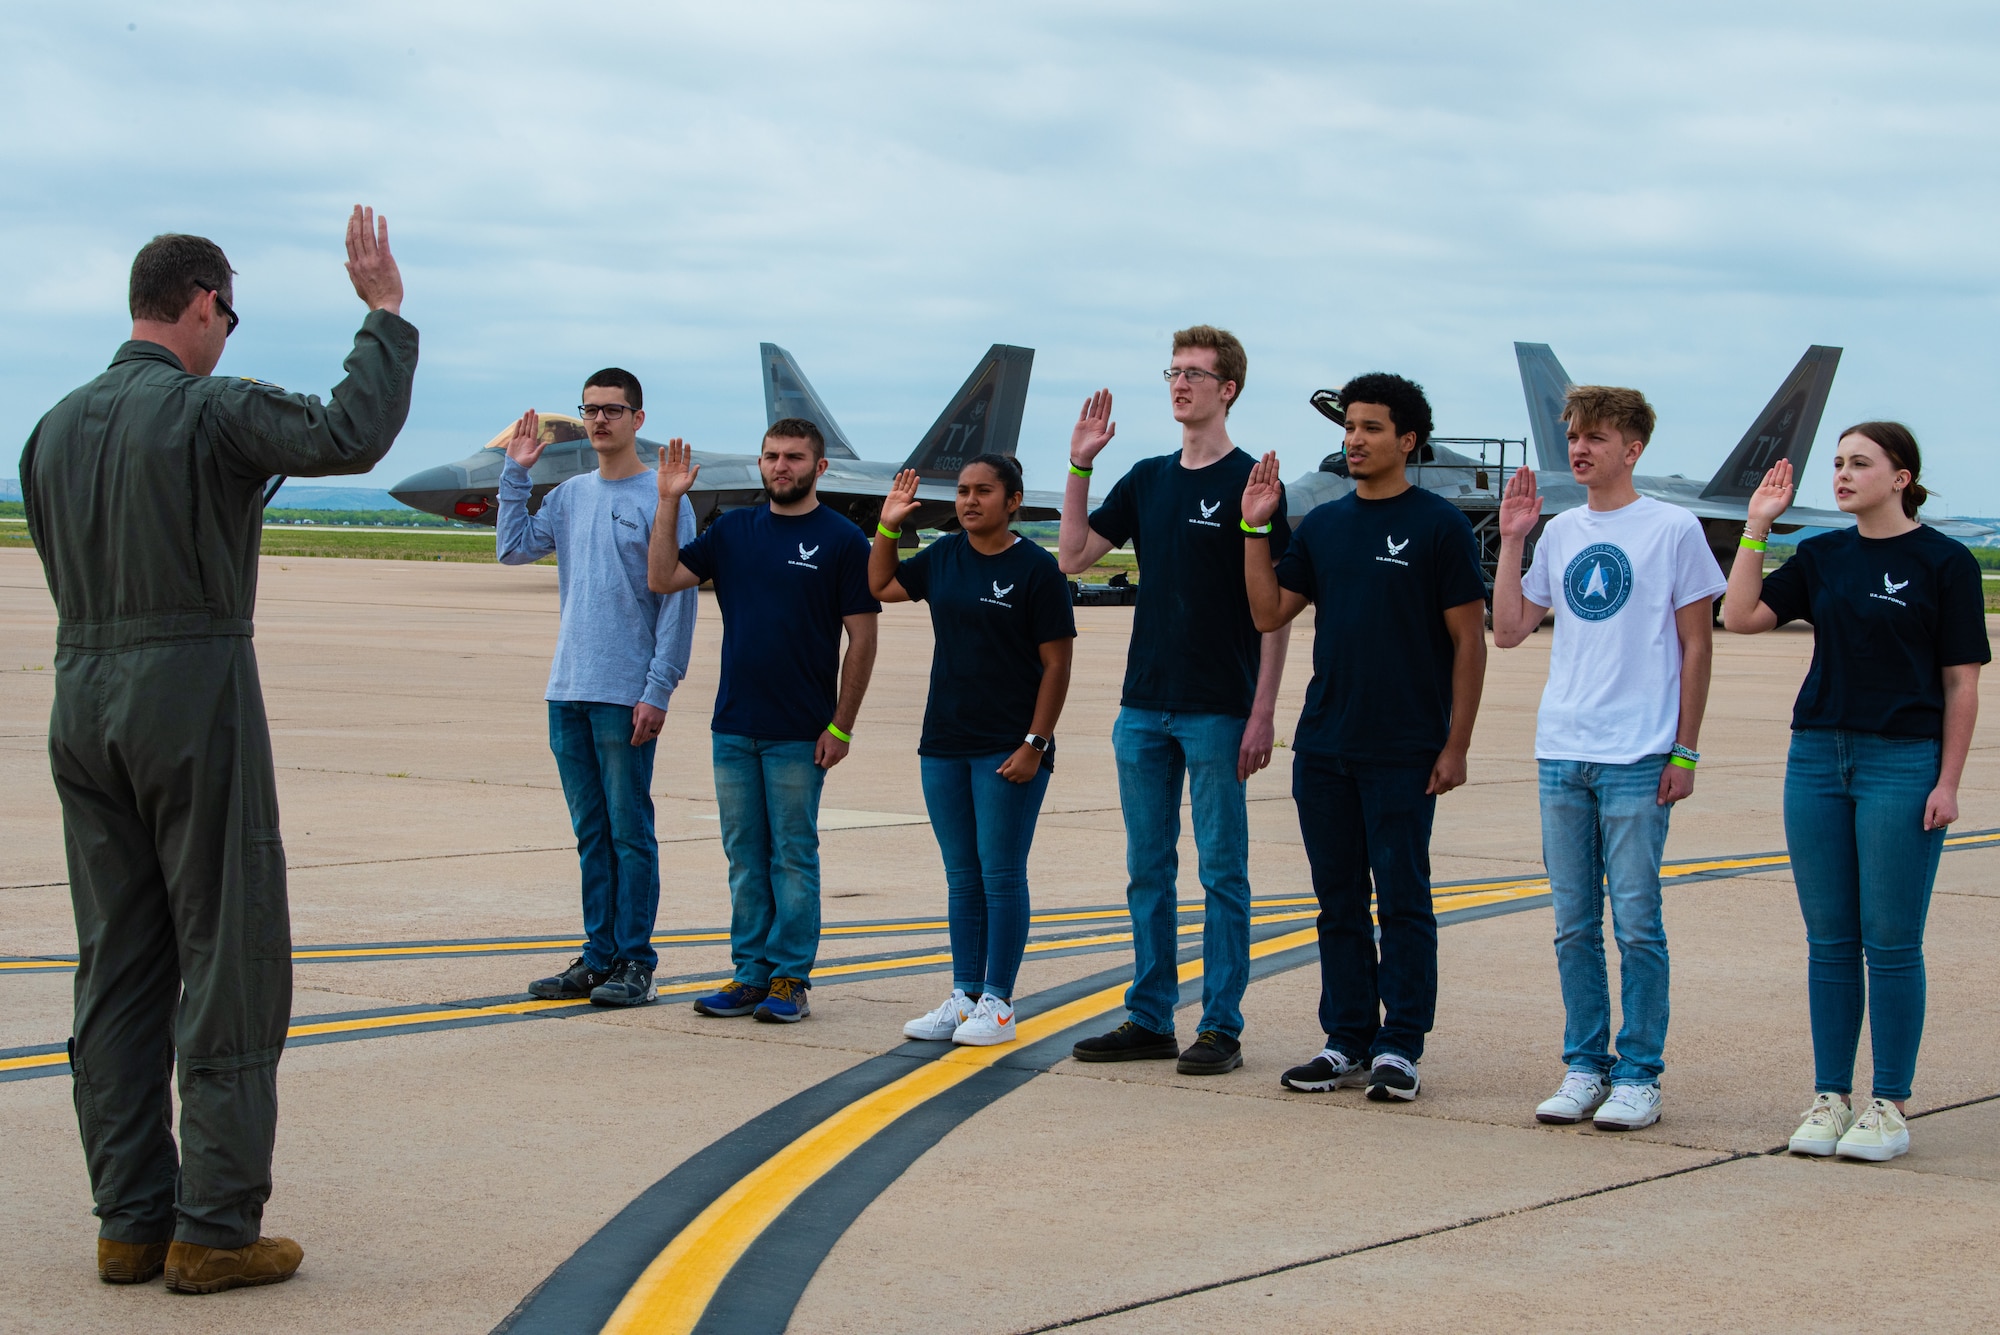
[(228, 311), (1194, 375), (610, 412)]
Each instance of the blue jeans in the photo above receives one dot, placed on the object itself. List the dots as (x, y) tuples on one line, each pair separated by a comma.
[(608, 783), (984, 825), (1155, 752), (1863, 864), (767, 794), (1603, 830), (1361, 819)]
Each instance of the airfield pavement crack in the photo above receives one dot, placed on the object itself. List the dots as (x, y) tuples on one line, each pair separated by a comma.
[(1363, 1248)]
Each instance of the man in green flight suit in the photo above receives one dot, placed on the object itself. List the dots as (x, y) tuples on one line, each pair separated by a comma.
[(144, 494)]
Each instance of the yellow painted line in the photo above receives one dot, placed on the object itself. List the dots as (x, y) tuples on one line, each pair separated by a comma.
[(29, 1063), (673, 1292)]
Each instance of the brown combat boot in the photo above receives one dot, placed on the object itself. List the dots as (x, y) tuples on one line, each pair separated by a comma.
[(129, 1262), (192, 1268)]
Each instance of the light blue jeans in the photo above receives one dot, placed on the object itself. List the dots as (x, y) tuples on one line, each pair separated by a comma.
[(1156, 751), (1864, 865), (984, 825), (608, 784), (767, 794), (1603, 831)]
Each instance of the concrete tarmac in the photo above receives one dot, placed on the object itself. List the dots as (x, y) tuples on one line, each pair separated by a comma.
[(443, 1158)]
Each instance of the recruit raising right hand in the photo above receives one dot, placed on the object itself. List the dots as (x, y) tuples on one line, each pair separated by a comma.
[(678, 470), (901, 502), (1772, 497), (1094, 429), (525, 445), (1521, 506), (370, 266), (1262, 492)]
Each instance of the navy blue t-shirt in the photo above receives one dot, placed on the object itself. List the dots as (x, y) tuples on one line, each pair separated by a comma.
[(783, 583), (1888, 616), (990, 616), (1381, 574), (1194, 647)]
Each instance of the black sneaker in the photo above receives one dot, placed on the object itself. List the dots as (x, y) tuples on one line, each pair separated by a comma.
[(572, 984), (1332, 1069), (1129, 1042), (1212, 1053), (1392, 1077), (630, 984)]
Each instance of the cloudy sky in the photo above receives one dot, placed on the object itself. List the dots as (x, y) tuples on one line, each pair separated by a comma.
[(1676, 197)]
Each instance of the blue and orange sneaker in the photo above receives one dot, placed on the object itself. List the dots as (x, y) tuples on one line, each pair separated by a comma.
[(734, 1000), (786, 1004)]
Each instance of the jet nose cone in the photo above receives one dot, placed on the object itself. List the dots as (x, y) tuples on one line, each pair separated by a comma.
[(434, 490)]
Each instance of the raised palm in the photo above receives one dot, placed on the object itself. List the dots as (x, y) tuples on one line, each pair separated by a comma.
[(1521, 506), (1263, 492), (901, 502), (1772, 497), (678, 470), (1094, 428), (525, 445)]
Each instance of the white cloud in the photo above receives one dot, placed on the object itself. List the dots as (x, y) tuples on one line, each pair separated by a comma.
[(1677, 197)]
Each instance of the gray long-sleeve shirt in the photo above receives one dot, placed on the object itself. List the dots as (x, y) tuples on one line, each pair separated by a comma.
[(619, 642)]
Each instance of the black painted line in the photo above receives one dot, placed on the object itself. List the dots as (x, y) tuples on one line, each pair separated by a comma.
[(584, 1290)]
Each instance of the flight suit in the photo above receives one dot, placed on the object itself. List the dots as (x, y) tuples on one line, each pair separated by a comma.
[(144, 494)]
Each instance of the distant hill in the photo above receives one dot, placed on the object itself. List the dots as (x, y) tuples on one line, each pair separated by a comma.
[(290, 497)]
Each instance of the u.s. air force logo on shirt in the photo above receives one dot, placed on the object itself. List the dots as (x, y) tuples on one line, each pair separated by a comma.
[(1598, 582)]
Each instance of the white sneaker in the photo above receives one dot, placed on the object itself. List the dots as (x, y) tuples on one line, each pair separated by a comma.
[(939, 1025), (1878, 1134), (1579, 1097), (1629, 1108), (1826, 1122), (991, 1023)]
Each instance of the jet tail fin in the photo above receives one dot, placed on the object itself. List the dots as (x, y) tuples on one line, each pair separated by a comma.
[(984, 417), (787, 393), (1784, 430), (1543, 384)]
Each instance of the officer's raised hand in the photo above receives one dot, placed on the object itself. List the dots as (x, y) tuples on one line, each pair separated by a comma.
[(526, 444), (1263, 493), (370, 266)]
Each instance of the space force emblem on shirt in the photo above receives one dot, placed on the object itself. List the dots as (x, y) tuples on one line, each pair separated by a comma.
[(1598, 582)]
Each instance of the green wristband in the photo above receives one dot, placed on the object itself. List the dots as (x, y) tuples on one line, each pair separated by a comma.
[(1080, 472), (1682, 761), (890, 533), (1752, 544), (1260, 530), (834, 728)]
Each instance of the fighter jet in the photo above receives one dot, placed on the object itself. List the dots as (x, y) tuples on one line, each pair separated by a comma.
[(1784, 430), (983, 417)]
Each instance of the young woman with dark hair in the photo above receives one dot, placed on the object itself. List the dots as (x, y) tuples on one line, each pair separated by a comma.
[(1000, 611), (1879, 738)]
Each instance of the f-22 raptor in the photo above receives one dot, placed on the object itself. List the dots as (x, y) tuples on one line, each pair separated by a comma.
[(984, 417), (1784, 430)]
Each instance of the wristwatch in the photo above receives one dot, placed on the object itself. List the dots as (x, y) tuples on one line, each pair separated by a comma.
[(1038, 742)]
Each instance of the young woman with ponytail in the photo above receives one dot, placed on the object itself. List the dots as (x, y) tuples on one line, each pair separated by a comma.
[(1879, 738)]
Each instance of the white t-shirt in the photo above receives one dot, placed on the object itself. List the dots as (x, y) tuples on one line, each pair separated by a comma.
[(1615, 579)]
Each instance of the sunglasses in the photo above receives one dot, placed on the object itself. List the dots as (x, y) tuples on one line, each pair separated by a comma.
[(228, 311)]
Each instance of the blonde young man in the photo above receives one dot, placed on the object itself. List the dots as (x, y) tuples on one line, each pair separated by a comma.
[(1632, 581), (1201, 689)]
